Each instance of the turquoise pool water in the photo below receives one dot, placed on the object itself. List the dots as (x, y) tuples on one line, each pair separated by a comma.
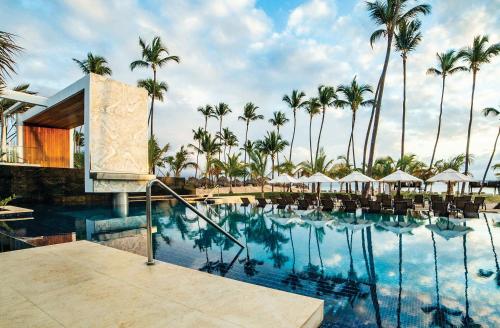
[(368, 272)]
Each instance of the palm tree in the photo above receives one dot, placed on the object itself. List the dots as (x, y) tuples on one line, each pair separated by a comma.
[(494, 112), (327, 98), (279, 119), (159, 88), (321, 164), (154, 55), (354, 98), (180, 161), (313, 107), (8, 48), (389, 14), (447, 65), (78, 140), (455, 163), (221, 110), (197, 136), (407, 38), (207, 112), (94, 64), (272, 144), (209, 147), (294, 101), (258, 167), (475, 56), (232, 168), (227, 139), (156, 154), (383, 166), (249, 115)]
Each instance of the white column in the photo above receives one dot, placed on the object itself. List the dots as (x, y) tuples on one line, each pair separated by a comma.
[(20, 137)]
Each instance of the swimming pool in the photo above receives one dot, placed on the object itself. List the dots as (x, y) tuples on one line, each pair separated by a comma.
[(366, 271)]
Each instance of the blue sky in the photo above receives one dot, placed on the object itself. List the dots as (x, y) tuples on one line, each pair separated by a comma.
[(238, 51)]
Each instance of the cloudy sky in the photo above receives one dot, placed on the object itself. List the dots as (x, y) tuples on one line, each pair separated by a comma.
[(236, 51)]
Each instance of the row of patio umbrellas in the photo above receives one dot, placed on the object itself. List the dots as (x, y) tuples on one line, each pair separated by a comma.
[(448, 176)]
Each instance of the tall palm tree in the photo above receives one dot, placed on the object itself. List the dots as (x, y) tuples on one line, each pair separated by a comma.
[(389, 14), (447, 65), (455, 163), (156, 154), (227, 139), (278, 120), (475, 56), (8, 48), (221, 110), (209, 146), (407, 38), (326, 98), (94, 64), (154, 55), (272, 144), (207, 112), (258, 167), (233, 168), (294, 101), (180, 161), (313, 108), (354, 95), (494, 112), (158, 88), (197, 136), (249, 115)]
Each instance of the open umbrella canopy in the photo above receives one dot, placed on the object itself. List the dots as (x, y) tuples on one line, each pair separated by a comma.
[(450, 175), (319, 178), (283, 178), (398, 227), (448, 231), (356, 177), (400, 176)]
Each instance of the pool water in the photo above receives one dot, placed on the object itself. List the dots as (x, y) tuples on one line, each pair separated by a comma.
[(368, 272)]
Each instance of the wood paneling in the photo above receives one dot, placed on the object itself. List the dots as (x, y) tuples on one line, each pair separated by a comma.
[(67, 114), (48, 147)]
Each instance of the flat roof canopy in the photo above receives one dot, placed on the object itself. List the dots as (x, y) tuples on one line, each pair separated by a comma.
[(66, 114)]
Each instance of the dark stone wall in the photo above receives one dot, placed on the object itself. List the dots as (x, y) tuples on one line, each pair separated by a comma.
[(46, 185)]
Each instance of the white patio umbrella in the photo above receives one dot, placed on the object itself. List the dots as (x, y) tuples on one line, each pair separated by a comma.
[(319, 177), (450, 176), (283, 179), (448, 231), (399, 176), (356, 177)]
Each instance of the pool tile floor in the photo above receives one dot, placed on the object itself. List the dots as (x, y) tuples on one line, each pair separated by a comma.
[(83, 284)]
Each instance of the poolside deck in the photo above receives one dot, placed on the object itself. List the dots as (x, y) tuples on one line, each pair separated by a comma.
[(83, 284)]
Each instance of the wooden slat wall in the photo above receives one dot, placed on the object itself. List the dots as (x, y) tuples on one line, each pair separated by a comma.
[(48, 147)]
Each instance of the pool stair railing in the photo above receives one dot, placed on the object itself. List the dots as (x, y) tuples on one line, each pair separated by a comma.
[(149, 224)]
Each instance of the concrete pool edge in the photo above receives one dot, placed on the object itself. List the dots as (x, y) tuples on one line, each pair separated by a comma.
[(62, 281)]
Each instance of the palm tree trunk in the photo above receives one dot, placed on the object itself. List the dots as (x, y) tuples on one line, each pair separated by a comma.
[(368, 130), (293, 134), (470, 127), (3, 149), (310, 140), (349, 147), (272, 172), (220, 133), (404, 110), (379, 103), (319, 135), (489, 162), (352, 139), (151, 111), (245, 148), (439, 123), (197, 160)]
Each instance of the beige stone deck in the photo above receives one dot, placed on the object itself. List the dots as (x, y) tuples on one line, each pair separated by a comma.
[(83, 284)]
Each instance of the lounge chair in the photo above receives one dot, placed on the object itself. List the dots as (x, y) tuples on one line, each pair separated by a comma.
[(274, 200), (419, 200), (282, 204), (386, 202), (261, 202), (245, 201), (440, 208), (364, 202), (350, 206), (288, 199), (327, 204), (449, 199), (401, 207), (436, 198), (467, 198), (460, 202), (479, 200), (398, 198), (471, 210), (374, 206), (303, 205)]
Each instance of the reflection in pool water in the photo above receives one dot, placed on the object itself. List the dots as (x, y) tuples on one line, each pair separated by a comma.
[(371, 270)]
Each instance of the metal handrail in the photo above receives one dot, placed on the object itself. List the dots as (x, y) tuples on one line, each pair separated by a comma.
[(149, 224)]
